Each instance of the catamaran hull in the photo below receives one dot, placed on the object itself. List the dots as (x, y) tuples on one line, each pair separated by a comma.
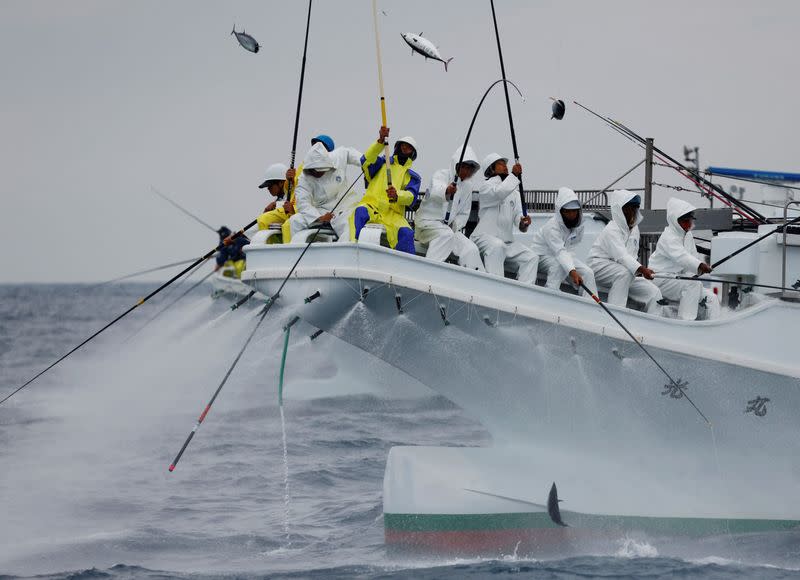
[(568, 398)]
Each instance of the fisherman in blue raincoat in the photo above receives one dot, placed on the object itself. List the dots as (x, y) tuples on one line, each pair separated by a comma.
[(231, 255)]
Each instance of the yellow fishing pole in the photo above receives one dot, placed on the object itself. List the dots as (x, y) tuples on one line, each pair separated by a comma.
[(380, 88)]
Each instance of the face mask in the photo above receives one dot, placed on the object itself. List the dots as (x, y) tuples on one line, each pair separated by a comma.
[(572, 223)]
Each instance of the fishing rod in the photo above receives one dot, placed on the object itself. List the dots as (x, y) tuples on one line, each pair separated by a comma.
[(466, 140), (722, 281), (508, 107), (673, 384), (148, 271), (182, 209), (270, 302), (141, 301), (380, 90), (742, 209), (290, 184)]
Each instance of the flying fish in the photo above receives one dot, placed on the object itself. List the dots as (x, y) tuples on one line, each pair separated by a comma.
[(424, 47), (248, 42)]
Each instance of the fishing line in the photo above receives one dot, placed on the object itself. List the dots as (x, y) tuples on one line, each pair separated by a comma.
[(182, 209), (142, 272), (124, 314), (469, 132), (680, 386)]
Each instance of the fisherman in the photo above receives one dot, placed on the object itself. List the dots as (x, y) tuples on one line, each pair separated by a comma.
[(319, 188), (230, 254), (383, 203), (614, 256), (499, 214), (444, 237), (276, 181), (676, 254), (555, 243)]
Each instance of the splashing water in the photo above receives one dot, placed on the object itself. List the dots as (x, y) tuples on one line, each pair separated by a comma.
[(286, 495)]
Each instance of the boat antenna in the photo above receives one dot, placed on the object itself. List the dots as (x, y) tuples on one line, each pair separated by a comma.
[(469, 132), (171, 201), (508, 108), (677, 389), (380, 90)]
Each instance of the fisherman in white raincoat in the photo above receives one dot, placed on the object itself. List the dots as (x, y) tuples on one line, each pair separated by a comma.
[(500, 212), (614, 256), (323, 181), (555, 241), (444, 238), (676, 254)]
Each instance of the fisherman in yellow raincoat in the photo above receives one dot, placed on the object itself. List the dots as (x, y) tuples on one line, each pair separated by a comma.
[(383, 203), (276, 181)]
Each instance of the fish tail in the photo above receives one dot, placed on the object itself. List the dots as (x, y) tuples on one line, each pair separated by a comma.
[(447, 62)]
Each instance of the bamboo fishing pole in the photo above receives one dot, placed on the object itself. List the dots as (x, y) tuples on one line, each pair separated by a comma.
[(380, 90), (508, 108)]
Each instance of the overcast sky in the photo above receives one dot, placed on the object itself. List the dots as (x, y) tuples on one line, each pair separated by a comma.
[(102, 99)]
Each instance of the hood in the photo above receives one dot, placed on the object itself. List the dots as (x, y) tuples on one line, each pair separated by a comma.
[(675, 209), (618, 199), (490, 160), (469, 155), (566, 195), (318, 158)]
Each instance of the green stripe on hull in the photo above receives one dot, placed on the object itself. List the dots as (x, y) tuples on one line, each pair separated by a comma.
[(537, 520)]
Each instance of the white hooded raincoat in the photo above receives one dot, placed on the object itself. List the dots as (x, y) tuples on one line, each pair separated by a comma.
[(614, 259), (445, 239), (676, 253), (316, 196), (499, 215), (554, 244)]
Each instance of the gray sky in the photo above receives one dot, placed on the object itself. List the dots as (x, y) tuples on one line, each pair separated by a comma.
[(102, 99)]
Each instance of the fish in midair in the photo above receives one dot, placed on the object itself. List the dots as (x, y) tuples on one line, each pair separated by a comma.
[(552, 506), (248, 42), (425, 47), (559, 108)]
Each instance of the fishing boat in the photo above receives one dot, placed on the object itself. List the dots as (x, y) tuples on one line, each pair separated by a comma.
[(589, 438)]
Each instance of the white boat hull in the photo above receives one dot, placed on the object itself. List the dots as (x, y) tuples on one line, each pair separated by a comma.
[(567, 397)]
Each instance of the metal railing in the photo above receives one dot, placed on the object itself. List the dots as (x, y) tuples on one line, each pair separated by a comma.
[(785, 233)]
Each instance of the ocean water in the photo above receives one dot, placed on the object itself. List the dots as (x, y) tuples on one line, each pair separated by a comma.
[(84, 451)]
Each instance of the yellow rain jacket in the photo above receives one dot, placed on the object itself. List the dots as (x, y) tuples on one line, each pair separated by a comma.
[(376, 200), (279, 215)]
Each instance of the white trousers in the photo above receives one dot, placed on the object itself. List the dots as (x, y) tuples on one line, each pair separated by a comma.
[(690, 294), (497, 253), (340, 223), (556, 274), (622, 284), (443, 241)]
